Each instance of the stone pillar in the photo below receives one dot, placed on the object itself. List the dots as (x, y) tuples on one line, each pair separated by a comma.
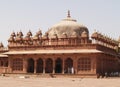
[(44, 66), (10, 65), (35, 65), (94, 65), (75, 65), (53, 66), (63, 66), (25, 65)]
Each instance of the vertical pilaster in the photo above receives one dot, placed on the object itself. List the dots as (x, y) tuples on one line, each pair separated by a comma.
[(44, 66), (75, 65), (63, 66), (94, 65), (25, 65), (10, 64), (53, 66)]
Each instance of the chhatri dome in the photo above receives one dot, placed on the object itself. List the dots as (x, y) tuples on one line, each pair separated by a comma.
[(67, 26)]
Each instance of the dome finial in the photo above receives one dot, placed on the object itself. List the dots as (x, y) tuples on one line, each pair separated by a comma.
[(68, 14)]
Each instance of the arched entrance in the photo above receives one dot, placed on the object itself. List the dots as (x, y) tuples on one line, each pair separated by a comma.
[(39, 66), (49, 66), (68, 65), (30, 68), (58, 66)]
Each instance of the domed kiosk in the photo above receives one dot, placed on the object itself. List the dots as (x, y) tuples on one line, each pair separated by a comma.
[(68, 26)]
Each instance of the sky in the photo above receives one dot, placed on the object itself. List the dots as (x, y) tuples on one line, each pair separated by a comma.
[(25, 15)]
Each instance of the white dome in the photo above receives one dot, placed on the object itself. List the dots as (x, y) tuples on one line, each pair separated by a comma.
[(67, 26)]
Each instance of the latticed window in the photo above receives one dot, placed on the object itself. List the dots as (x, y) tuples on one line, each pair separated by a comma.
[(84, 64), (3, 62), (17, 64)]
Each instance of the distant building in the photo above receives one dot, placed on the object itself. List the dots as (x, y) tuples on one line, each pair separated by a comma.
[(65, 49)]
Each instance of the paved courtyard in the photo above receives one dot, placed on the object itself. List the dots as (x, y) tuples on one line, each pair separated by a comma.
[(58, 82)]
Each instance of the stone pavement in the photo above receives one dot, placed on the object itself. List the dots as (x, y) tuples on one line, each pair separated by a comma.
[(58, 82)]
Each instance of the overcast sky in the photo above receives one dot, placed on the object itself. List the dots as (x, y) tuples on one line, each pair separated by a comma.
[(25, 15)]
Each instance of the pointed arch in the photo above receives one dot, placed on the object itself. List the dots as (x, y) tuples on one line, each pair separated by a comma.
[(68, 65), (30, 68), (39, 66), (58, 65)]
